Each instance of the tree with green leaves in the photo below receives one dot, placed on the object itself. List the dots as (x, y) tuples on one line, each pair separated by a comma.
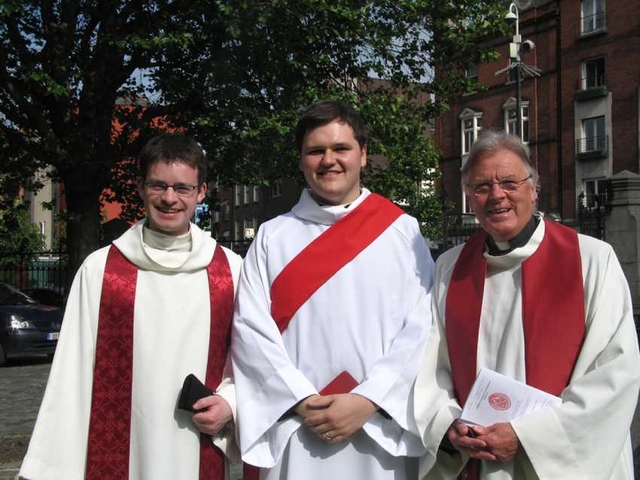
[(233, 73), (20, 239)]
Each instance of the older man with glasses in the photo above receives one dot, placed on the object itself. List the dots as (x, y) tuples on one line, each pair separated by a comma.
[(143, 315), (538, 303)]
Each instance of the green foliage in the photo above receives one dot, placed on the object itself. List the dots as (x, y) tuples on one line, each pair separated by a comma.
[(235, 74), (19, 237)]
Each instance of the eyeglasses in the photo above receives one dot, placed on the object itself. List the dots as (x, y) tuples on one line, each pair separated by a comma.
[(181, 189), (506, 185)]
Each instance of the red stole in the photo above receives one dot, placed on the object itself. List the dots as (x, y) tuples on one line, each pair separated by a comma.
[(110, 422), (552, 311), (327, 254), (321, 259)]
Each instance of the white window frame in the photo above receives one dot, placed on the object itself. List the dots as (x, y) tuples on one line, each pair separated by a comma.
[(509, 108), (598, 187), (593, 17), (598, 76), (236, 230), (248, 225), (594, 131), (275, 189), (471, 71), (237, 192), (473, 128), (256, 193)]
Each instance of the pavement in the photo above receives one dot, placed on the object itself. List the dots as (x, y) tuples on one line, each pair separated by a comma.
[(22, 387)]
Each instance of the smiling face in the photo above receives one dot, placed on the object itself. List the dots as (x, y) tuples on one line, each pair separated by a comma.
[(167, 212), (502, 214), (331, 160)]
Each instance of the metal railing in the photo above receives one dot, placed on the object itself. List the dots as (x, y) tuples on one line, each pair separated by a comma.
[(591, 212), (593, 145), (591, 81), (47, 271)]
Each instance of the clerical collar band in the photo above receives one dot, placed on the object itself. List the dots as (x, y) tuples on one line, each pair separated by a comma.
[(518, 241)]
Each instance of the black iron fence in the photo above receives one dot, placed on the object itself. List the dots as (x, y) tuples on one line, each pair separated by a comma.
[(43, 271), (591, 211)]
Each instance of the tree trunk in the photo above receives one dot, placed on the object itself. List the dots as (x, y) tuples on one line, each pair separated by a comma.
[(83, 221)]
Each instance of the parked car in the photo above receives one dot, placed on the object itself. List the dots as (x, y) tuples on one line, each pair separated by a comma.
[(47, 296), (27, 327)]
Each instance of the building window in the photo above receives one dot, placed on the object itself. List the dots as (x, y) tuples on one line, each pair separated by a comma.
[(471, 126), (594, 138), (594, 16), (248, 230), (511, 119), (471, 72), (275, 190), (236, 230), (595, 193), (237, 190), (592, 73), (226, 212), (256, 194)]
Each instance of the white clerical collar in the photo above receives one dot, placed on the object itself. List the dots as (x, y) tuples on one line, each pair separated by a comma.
[(308, 209), (170, 251), (168, 243)]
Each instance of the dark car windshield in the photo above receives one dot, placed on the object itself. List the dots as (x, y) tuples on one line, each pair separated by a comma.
[(13, 296)]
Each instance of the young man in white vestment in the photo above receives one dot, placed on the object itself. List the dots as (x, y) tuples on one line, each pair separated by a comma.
[(142, 315), (334, 293), (532, 300)]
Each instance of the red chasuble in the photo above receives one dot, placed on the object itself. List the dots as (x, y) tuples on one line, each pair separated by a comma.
[(552, 311), (110, 422)]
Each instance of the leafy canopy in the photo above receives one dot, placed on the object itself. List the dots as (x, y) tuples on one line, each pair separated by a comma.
[(235, 74)]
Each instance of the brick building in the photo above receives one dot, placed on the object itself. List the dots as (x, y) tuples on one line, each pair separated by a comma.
[(240, 210), (579, 116)]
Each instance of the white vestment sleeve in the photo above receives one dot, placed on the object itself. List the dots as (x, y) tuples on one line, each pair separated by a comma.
[(585, 436), (389, 381), (435, 406), (58, 445), (262, 369)]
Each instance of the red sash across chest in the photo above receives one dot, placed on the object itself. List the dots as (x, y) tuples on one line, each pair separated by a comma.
[(110, 421), (552, 311), (327, 254)]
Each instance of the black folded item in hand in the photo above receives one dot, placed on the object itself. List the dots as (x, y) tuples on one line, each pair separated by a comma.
[(192, 391)]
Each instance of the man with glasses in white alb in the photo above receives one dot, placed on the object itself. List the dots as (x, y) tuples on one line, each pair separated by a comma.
[(144, 314), (538, 303)]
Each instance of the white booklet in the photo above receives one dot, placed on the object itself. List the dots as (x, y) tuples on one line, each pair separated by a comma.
[(495, 398)]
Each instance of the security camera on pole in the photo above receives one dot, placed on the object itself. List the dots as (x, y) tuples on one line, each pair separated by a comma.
[(516, 49)]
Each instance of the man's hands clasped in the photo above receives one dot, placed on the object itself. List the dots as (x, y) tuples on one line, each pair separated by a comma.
[(496, 442), (334, 418)]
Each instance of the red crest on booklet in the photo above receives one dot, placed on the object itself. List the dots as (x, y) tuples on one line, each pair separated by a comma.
[(499, 401)]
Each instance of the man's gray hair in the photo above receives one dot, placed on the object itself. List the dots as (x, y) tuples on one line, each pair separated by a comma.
[(490, 142)]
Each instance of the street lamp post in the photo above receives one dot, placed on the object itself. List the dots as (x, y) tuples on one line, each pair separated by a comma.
[(514, 56), (517, 47)]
